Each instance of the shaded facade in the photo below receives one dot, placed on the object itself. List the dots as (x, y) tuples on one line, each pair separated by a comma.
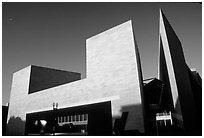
[(181, 89), (113, 75), (42, 78), (4, 119), (153, 95)]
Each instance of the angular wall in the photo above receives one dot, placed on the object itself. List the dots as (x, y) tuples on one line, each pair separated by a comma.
[(177, 77), (112, 64), (113, 74), (18, 102), (42, 78)]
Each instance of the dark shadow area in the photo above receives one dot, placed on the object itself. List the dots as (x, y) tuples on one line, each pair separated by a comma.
[(120, 124), (156, 92), (158, 99), (194, 130), (15, 127), (196, 85), (4, 119), (99, 121), (42, 78), (173, 130)]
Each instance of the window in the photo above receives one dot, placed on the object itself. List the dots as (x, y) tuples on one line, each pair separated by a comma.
[(77, 118), (62, 119), (80, 118), (58, 119), (83, 117), (86, 117), (73, 118)]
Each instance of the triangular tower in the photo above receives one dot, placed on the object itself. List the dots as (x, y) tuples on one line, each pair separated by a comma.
[(175, 74)]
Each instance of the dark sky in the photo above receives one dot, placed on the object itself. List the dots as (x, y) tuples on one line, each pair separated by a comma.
[(54, 34)]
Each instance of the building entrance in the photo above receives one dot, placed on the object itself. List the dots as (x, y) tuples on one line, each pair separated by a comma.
[(91, 119)]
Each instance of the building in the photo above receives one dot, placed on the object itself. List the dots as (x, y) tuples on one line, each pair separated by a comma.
[(111, 91), (111, 99), (182, 88)]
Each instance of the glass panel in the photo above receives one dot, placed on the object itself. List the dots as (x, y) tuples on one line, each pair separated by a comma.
[(86, 117), (73, 118), (62, 119), (83, 117), (80, 117), (77, 118)]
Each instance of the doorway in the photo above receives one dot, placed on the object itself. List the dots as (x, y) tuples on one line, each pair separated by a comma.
[(90, 119)]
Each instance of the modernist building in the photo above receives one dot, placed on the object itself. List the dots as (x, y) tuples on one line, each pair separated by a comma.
[(183, 90), (111, 90), (110, 100)]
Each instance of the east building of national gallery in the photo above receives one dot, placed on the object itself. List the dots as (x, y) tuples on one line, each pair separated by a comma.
[(113, 99)]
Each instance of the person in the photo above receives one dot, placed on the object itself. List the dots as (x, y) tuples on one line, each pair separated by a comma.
[(43, 125)]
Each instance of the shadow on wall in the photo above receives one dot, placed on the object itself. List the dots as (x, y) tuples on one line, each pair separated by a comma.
[(15, 126), (188, 129), (4, 119), (177, 116), (129, 113)]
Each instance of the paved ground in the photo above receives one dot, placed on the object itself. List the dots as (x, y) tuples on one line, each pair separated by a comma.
[(60, 134)]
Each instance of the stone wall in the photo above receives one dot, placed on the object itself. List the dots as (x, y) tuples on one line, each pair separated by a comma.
[(112, 75)]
